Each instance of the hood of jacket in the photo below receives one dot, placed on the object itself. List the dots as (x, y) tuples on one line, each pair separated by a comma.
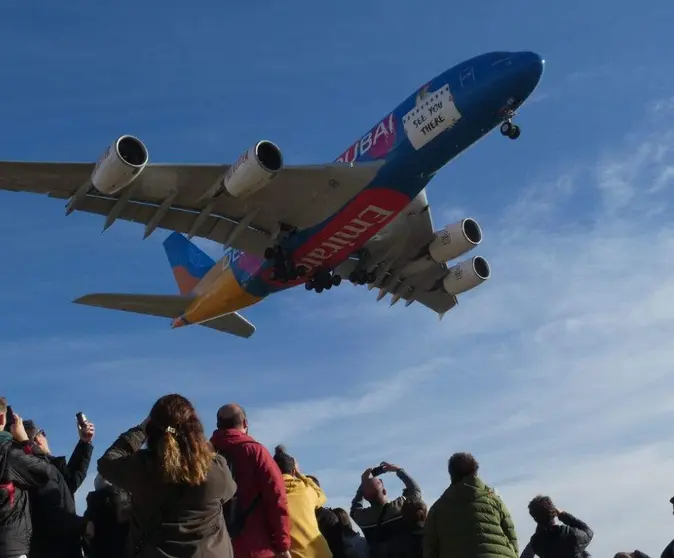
[(293, 484), (225, 438), (467, 490), (5, 436)]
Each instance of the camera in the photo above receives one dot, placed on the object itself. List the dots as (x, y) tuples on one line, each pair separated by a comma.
[(378, 470), (10, 418)]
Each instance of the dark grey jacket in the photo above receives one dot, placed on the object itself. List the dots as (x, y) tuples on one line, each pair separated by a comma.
[(568, 540), (381, 524), (192, 522)]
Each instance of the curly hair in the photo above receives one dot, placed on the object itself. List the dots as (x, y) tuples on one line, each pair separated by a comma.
[(542, 510), (414, 511), (175, 436), (462, 465)]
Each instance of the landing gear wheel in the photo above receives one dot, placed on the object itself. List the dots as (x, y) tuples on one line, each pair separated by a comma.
[(309, 285), (506, 128), (514, 132), (336, 280), (319, 289), (358, 277), (301, 271)]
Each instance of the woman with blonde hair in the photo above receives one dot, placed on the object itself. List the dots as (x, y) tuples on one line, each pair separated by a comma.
[(178, 484)]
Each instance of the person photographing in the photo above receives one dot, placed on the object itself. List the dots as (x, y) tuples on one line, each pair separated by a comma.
[(19, 472), (304, 498), (57, 529), (558, 534), (381, 522)]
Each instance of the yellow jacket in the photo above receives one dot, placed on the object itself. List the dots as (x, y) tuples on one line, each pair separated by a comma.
[(304, 496)]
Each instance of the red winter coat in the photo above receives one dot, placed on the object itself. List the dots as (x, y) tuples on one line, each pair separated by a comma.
[(267, 528)]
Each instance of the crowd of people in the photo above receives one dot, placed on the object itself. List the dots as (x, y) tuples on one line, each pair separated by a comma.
[(163, 489)]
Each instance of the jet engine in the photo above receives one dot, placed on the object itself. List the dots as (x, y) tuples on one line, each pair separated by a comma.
[(120, 165), (254, 170), (455, 240), (447, 244), (466, 275)]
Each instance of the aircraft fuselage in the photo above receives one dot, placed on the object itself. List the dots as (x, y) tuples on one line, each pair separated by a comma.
[(431, 127)]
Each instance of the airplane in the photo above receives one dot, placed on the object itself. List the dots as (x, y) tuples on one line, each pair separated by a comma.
[(364, 217)]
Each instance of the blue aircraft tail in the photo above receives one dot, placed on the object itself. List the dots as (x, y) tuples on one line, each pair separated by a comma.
[(188, 262)]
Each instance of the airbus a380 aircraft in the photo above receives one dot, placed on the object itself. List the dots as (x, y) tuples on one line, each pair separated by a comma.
[(365, 216)]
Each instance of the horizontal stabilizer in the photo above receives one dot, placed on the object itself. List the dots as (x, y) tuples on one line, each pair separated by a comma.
[(166, 306)]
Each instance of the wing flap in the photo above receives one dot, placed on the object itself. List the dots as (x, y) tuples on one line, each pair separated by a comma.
[(215, 227)]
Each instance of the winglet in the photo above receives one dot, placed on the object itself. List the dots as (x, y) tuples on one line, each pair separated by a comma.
[(189, 263)]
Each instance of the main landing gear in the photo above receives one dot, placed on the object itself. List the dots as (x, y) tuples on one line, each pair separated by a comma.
[(510, 130), (362, 277), (284, 268), (323, 279)]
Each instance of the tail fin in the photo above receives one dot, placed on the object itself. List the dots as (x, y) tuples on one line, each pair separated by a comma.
[(189, 263)]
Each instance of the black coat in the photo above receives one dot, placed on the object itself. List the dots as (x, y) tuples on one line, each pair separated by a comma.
[(56, 526), (109, 509), (19, 472), (331, 529), (568, 540)]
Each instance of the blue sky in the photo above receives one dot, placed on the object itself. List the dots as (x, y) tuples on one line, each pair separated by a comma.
[(556, 373)]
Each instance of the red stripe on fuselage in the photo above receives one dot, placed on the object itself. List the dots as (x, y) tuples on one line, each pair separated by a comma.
[(348, 231)]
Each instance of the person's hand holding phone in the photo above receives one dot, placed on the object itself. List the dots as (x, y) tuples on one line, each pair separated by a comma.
[(85, 429), (17, 429)]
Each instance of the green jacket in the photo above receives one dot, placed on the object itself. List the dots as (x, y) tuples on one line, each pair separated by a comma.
[(469, 521)]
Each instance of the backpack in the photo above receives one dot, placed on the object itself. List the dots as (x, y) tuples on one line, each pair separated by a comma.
[(109, 509), (235, 514), (7, 490)]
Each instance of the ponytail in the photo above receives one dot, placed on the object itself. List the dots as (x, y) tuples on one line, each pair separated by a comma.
[(175, 438)]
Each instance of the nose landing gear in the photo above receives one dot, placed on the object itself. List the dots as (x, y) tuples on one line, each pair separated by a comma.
[(510, 130)]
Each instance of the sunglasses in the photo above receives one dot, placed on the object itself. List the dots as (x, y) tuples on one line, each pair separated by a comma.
[(39, 433)]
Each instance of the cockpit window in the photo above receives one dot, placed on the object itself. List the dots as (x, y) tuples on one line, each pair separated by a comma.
[(501, 59)]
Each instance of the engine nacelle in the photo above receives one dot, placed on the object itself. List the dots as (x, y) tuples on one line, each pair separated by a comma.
[(120, 165), (466, 275), (455, 240), (254, 170)]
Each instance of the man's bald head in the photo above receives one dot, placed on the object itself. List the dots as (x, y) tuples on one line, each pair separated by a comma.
[(374, 491), (232, 416)]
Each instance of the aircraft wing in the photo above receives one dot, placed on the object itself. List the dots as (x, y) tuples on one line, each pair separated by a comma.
[(168, 196), (392, 254)]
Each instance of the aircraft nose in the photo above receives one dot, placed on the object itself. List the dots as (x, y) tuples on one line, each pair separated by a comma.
[(533, 64)]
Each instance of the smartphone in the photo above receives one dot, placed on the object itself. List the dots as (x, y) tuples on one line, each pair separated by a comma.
[(378, 470), (81, 419), (10, 418)]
